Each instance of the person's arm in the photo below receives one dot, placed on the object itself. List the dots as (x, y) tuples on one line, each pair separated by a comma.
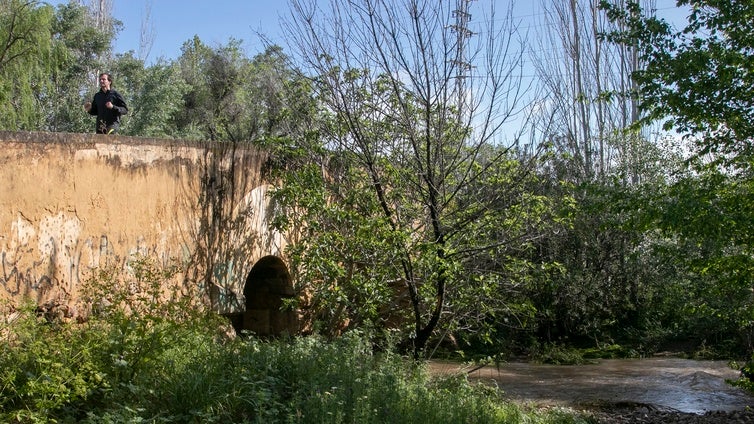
[(119, 104), (91, 107)]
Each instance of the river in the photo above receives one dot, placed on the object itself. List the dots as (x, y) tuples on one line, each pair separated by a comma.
[(672, 384)]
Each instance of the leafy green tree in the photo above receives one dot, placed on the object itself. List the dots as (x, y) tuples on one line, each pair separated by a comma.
[(46, 62), (213, 77), (155, 95), (230, 97), (196, 115), (407, 138), (27, 59), (83, 46), (606, 284), (500, 267), (600, 286), (274, 100), (698, 80)]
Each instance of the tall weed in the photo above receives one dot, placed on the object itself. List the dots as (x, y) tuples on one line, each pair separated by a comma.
[(138, 359), (46, 367)]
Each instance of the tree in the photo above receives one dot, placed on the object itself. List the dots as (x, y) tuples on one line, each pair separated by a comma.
[(154, 95), (27, 57), (586, 81), (411, 104), (212, 76), (698, 81), (230, 97), (45, 63), (82, 45), (586, 113), (274, 100), (18, 28), (146, 34)]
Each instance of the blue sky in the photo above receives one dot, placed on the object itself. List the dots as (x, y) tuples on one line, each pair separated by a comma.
[(175, 21), (215, 21)]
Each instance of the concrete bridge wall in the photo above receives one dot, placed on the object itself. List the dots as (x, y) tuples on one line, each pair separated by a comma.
[(71, 204)]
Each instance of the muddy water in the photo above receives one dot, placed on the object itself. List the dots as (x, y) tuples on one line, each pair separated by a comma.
[(663, 383)]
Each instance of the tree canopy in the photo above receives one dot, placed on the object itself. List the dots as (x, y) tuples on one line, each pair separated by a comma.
[(699, 79)]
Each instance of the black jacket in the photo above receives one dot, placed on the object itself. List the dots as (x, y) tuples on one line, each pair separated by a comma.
[(108, 120)]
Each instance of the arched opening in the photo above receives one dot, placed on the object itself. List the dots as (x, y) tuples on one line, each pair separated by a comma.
[(267, 285)]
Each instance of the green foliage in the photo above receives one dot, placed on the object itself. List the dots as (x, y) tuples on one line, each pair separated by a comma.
[(63, 369), (47, 56), (699, 78), (47, 366), (48, 69), (746, 381), (594, 287), (557, 354), (402, 137), (212, 77), (407, 221), (699, 81), (707, 217), (221, 95), (154, 95), (81, 48), (87, 373), (563, 354), (345, 259), (348, 258), (26, 57)]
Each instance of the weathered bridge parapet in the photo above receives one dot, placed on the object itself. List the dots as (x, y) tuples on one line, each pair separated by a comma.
[(71, 204)]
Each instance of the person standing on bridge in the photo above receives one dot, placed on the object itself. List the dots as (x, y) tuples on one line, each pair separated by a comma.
[(108, 105)]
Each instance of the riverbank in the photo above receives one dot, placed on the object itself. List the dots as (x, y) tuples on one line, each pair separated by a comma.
[(644, 415)]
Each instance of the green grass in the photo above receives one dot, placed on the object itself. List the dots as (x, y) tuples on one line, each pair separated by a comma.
[(138, 360), (129, 369)]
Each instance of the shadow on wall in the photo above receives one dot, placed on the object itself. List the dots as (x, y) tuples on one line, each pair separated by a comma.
[(267, 286)]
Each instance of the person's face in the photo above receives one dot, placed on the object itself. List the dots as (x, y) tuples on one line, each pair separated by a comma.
[(104, 83)]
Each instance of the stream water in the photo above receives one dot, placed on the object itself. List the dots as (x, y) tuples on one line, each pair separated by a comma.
[(664, 383)]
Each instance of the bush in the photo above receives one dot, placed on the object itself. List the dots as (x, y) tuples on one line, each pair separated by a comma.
[(140, 360), (310, 380), (72, 377), (47, 367)]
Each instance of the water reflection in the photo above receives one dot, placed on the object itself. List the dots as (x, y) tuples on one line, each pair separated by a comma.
[(664, 383)]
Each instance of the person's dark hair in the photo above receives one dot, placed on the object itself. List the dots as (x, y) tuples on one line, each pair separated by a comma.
[(109, 76)]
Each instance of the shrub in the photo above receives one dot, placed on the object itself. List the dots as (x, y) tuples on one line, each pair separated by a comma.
[(138, 359), (47, 366)]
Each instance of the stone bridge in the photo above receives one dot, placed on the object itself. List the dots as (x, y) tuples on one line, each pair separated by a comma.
[(73, 204)]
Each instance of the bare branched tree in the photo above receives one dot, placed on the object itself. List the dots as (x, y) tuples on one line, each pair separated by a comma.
[(147, 32), (420, 87), (102, 10), (587, 83)]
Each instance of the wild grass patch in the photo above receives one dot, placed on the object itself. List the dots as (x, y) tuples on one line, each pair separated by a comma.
[(157, 363)]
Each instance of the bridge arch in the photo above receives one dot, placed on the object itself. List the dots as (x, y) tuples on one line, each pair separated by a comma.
[(267, 286), (74, 203)]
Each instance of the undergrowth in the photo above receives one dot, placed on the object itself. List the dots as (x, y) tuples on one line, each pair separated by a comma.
[(138, 360)]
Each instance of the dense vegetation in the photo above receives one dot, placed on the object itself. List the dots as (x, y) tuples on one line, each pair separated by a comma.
[(160, 363), (428, 219)]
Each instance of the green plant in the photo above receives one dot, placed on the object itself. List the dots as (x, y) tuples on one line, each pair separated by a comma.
[(746, 380), (557, 354), (47, 367), (159, 363)]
